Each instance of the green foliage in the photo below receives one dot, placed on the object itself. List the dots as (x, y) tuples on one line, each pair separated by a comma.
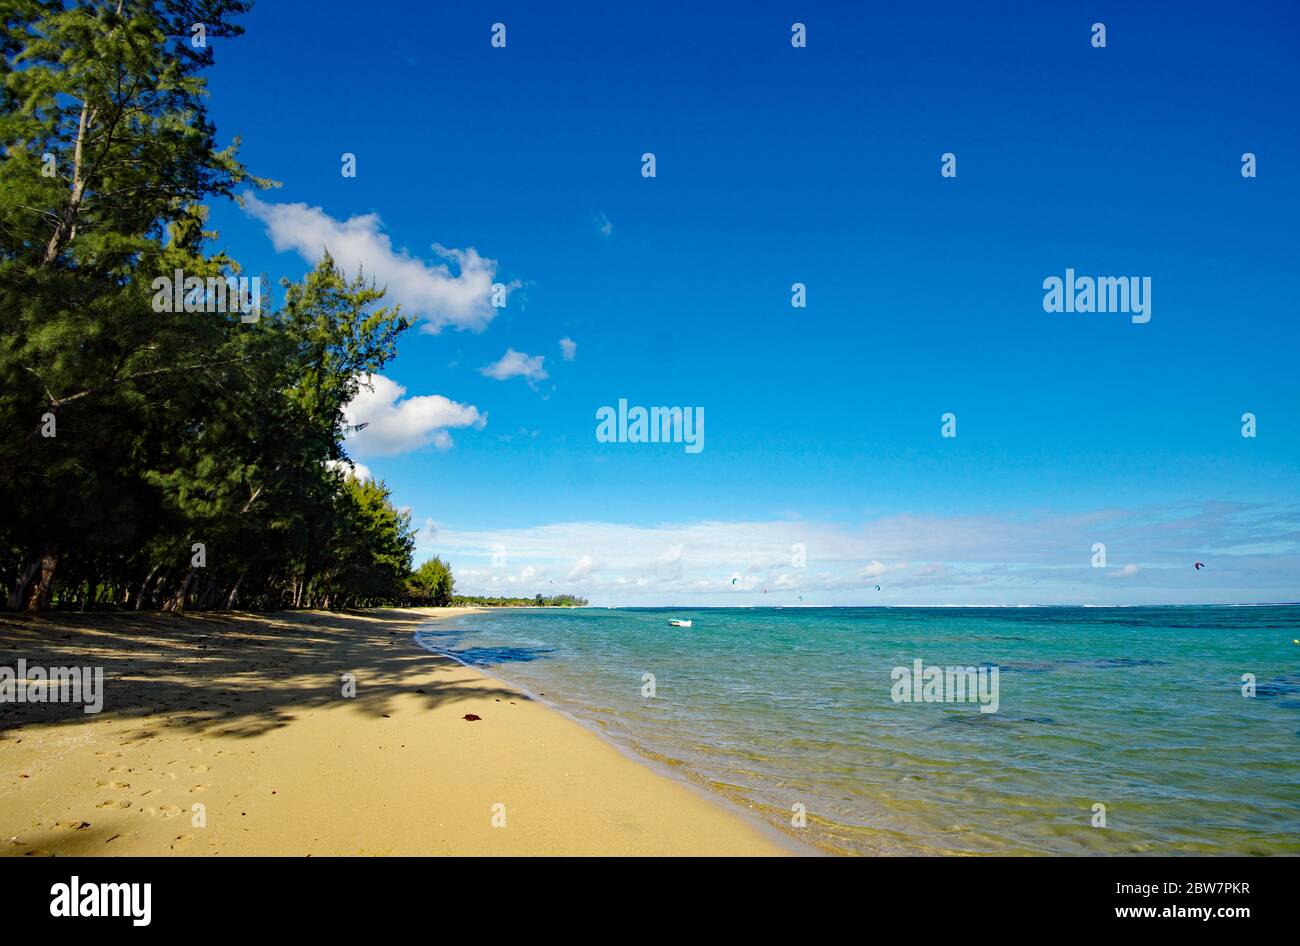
[(540, 601), (171, 428), (433, 582)]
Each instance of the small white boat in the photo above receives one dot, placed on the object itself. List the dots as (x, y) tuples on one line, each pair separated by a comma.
[(680, 623)]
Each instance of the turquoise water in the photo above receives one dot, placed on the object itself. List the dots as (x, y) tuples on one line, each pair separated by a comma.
[(1137, 709)]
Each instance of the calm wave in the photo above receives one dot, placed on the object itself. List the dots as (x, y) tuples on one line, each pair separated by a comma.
[(1137, 709)]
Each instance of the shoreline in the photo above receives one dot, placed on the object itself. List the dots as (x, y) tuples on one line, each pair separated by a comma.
[(239, 721), (633, 752)]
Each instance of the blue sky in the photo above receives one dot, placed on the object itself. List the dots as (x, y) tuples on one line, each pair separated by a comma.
[(818, 165)]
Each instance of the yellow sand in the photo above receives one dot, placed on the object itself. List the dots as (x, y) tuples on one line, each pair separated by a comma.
[(244, 715)]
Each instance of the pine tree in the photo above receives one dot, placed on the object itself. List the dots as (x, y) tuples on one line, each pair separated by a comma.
[(136, 431)]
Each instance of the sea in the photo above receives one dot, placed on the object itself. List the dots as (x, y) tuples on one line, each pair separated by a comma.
[(1142, 730)]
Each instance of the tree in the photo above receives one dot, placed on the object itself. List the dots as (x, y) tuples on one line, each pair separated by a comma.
[(370, 556), (176, 458), (107, 149), (433, 580)]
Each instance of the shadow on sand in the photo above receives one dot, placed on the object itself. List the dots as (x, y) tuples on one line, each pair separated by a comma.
[(228, 674)]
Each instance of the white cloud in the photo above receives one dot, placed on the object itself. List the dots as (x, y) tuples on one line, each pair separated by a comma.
[(582, 568), (396, 424), (1008, 559), (569, 348), (351, 468), (603, 226), (431, 290), (668, 566), (517, 364)]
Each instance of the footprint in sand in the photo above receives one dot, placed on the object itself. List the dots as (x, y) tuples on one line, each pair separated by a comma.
[(102, 783), (166, 811), (182, 842), (196, 769), (199, 788), (114, 803), (149, 791)]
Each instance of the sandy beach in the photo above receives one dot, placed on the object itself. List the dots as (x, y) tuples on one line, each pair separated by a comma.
[(231, 734)]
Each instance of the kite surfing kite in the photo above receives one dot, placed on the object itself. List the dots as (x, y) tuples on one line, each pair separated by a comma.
[(1199, 566)]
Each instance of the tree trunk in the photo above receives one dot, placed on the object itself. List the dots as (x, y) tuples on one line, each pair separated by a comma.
[(154, 598), (177, 601), (205, 599), (230, 598), (42, 586), (65, 230), (139, 598), (18, 594), (85, 599)]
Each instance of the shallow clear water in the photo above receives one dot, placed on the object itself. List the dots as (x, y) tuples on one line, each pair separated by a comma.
[(1137, 709)]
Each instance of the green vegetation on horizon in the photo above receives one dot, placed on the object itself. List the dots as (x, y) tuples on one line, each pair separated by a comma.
[(539, 601), (433, 584)]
